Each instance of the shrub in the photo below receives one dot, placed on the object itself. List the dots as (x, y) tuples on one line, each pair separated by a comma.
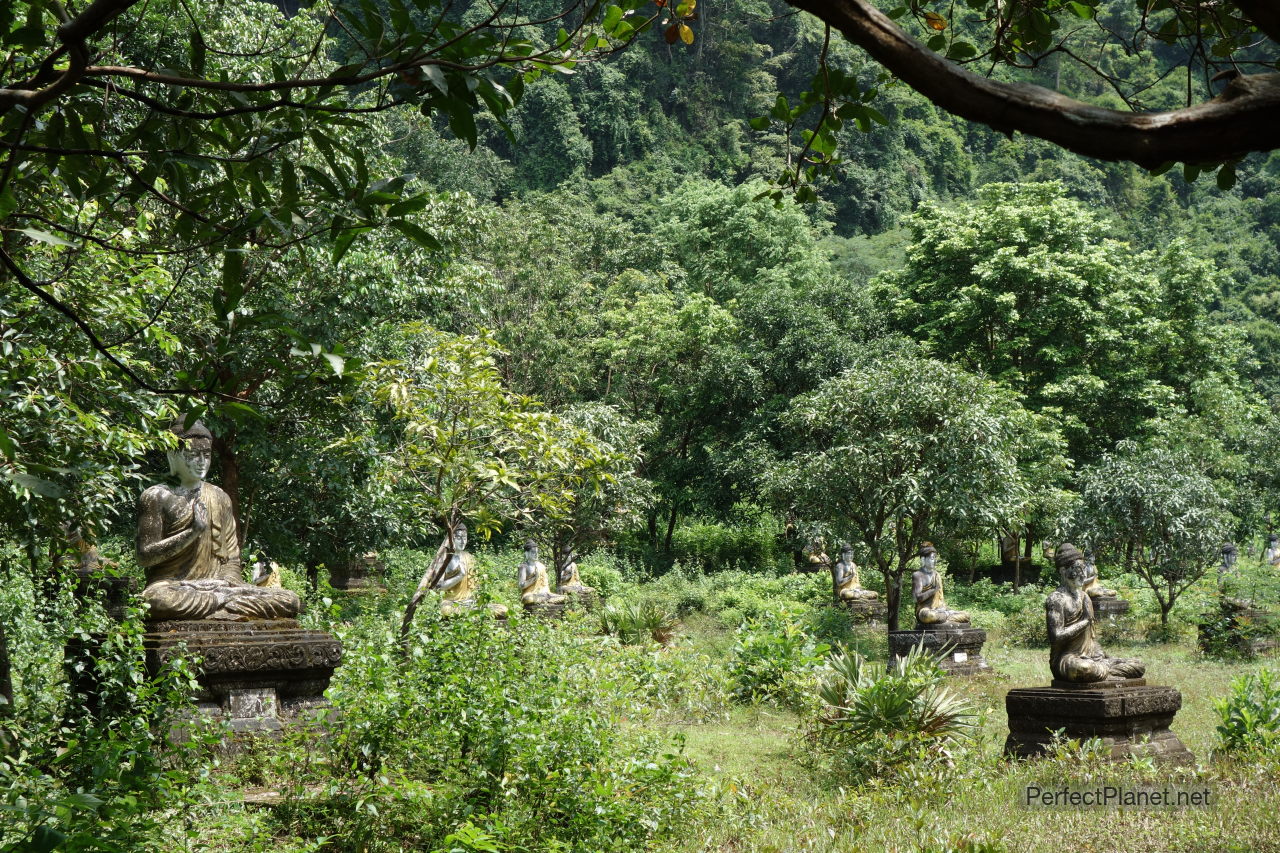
[(638, 621), (1251, 714), (770, 659), (751, 542), (879, 725)]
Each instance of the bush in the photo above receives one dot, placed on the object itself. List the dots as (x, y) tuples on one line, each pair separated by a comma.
[(751, 542), (880, 725), (638, 621), (1251, 714), (771, 658)]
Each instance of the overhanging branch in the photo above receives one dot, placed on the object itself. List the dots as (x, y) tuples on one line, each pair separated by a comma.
[(1243, 119)]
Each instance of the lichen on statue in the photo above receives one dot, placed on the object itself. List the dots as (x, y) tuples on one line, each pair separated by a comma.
[(1074, 653), (187, 544)]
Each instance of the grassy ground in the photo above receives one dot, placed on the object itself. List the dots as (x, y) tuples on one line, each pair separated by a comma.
[(769, 797)]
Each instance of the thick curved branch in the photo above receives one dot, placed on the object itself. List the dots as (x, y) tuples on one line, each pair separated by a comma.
[(1244, 118)]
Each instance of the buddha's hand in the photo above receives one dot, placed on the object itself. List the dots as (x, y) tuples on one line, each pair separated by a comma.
[(199, 517)]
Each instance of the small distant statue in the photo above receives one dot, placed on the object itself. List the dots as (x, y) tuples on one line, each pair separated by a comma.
[(568, 580), (926, 589), (534, 588), (1074, 653), (815, 556), (187, 543), (1229, 557), (846, 582), (1092, 587), (1272, 555), (458, 580), (267, 575)]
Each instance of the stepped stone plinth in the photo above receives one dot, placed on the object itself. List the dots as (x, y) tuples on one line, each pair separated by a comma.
[(958, 649)]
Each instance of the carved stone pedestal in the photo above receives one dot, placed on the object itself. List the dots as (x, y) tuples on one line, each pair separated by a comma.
[(362, 574), (958, 650), (1106, 608), (862, 611), (259, 676), (545, 611), (1248, 629), (588, 600), (1128, 716)]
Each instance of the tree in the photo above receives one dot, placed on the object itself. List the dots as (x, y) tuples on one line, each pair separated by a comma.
[(899, 449), (1153, 510), (1219, 37)]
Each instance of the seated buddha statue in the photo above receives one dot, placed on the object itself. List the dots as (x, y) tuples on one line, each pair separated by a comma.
[(458, 580), (1074, 653), (1092, 587), (926, 590), (846, 582), (568, 580), (534, 588), (187, 544)]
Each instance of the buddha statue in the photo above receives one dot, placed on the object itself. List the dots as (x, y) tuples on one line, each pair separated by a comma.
[(1092, 587), (846, 583), (815, 556), (534, 589), (568, 580), (926, 589), (1074, 653), (1229, 557), (1272, 555), (458, 580), (187, 544)]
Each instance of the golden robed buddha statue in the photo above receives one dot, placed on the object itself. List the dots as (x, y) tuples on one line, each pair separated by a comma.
[(568, 580), (187, 544), (846, 582), (926, 589), (534, 587), (1074, 653), (459, 581)]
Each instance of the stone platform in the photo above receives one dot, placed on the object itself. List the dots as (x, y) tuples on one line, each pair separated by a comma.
[(1104, 608), (958, 650), (862, 611), (361, 575), (1129, 716), (258, 675), (588, 600), (545, 611)]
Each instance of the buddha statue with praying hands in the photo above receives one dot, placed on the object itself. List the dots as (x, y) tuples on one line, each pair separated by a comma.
[(187, 544), (534, 589), (846, 583), (930, 603), (458, 579), (1074, 653)]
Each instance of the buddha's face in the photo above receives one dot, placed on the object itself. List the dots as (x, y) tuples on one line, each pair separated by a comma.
[(846, 555), (191, 462), (1074, 574), (531, 552), (459, 540), (928, 561)]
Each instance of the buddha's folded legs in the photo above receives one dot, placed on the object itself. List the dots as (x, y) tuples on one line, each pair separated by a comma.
[(218, 599)]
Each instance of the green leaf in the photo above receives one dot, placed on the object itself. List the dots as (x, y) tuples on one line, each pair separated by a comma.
[(232, 280), (417, 234), (45, 237), (7, 445), (1227, 176), (760, 123), (35, 484), (337, 362)]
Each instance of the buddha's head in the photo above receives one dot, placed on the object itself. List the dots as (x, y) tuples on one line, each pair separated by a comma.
[(458, 539), (190, 461), (530, 551), (928, 556), (846, 553), (1229, 556), (1071, 564)]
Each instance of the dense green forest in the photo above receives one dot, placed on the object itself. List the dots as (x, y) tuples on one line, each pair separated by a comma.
[(609, 311)]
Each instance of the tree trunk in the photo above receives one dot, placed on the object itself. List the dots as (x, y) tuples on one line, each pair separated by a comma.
[(671, 528), (892, 597), (6, 682), (225, 447), (428, 582)]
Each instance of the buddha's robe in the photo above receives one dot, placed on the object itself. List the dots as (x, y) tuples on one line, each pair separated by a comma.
[(1074, 653), (535, 589), (196, 574), (931, 604)]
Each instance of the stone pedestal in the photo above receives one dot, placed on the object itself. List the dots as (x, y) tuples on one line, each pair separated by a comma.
[(862, 611), (362, 574), (1129, 716), (588, 600), (1107, 608), (958, 650), (1242, 626), (259, 675), (545, 611)]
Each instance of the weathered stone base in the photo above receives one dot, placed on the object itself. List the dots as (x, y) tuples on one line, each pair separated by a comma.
[(361, 576), (1248, 629), (1128, 716), (958, 650), (259, 676), (1104, 608), (861, 611), (545, 610), (586, 599)]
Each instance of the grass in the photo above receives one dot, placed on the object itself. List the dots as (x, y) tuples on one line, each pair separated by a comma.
[(765, 795)]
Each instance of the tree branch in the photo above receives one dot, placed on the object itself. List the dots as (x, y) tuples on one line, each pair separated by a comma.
[(1244, 118)]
